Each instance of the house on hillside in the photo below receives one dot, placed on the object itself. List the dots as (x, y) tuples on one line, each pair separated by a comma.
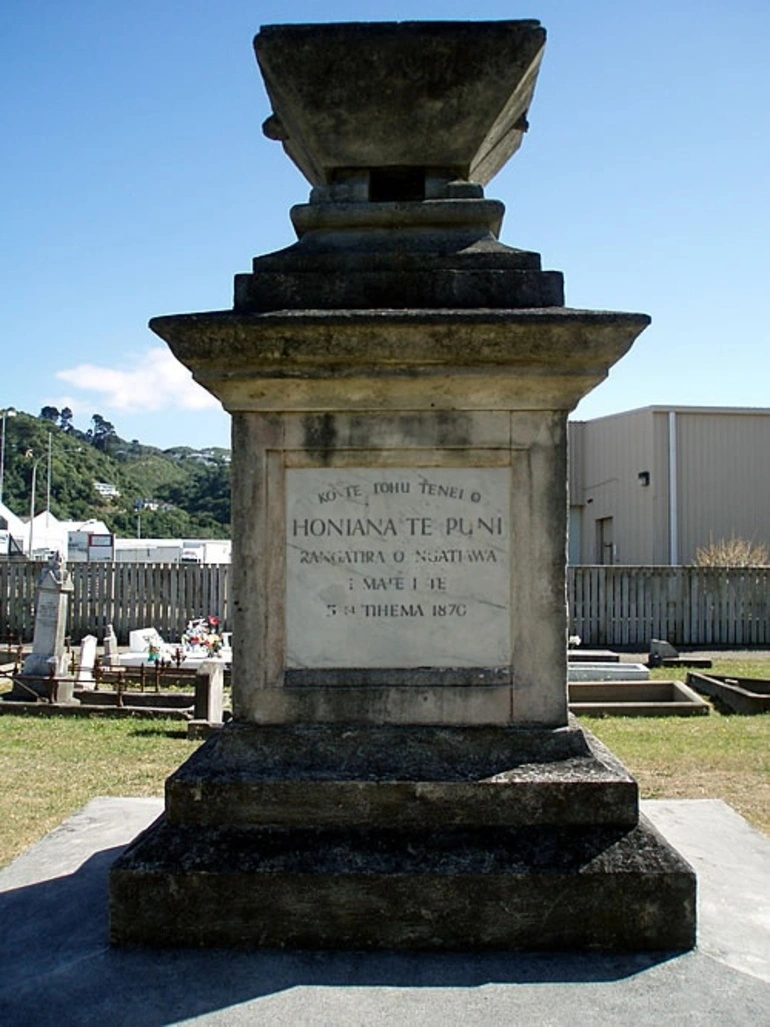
[(106, 490), (651, 486)]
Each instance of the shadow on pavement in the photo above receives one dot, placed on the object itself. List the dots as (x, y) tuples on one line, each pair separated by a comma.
[(56, 964)]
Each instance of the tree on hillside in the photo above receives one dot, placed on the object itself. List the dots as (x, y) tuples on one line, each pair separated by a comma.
[(172, 523), (198, 492), (205, 493), (65, 420), (101, 432)]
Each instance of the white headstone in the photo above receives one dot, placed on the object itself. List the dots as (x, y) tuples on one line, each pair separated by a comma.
[(111, 655), (141, 639), (85, 675)]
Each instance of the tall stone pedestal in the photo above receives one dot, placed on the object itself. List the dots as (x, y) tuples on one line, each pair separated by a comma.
[(402, 771)]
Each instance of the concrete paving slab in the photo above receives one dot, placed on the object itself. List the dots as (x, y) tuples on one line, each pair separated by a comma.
[(56, 966), (732, 861)]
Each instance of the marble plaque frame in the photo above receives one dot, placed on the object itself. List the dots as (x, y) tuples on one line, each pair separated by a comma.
[(461, 630)]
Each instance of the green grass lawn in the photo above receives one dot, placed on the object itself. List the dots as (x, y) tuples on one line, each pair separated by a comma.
[(745, 668), (51, 767), (714, 757)]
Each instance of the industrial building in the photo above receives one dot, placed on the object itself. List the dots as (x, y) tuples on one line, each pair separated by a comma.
[(651, 486)]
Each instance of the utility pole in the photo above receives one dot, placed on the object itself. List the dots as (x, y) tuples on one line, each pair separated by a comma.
[(32, 502), (9, 412), (48, 485)]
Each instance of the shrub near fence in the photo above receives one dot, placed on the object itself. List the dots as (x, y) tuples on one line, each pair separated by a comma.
[(609, 605), (126, 595)]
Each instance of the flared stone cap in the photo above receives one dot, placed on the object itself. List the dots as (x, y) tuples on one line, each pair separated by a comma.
[(440, 95), (430, 360)]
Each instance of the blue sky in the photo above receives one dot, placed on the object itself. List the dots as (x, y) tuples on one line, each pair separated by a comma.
[(135, 181)]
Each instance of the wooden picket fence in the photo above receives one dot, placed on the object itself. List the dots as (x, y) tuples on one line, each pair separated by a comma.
[(688, 606), (126, 595), (609, 606)]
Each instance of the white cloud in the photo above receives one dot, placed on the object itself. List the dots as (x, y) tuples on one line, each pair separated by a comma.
[(154, 381)]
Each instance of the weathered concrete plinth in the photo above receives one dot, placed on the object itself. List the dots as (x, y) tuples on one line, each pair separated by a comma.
[(547, 888), (402, 771), (403, 838)]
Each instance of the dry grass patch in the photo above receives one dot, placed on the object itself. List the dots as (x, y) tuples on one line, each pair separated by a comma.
[(732, 552)]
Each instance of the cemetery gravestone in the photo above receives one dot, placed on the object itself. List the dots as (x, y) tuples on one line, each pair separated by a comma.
[(111, 658), (209, 692), (409, 568), (48, 659), (146, 640), (85, 674), (660, 649), (401, 770)]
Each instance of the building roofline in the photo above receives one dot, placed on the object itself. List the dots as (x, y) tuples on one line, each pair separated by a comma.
[(675, 408)]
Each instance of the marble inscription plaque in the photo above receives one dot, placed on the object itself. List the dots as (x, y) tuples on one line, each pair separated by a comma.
[(398, 567)]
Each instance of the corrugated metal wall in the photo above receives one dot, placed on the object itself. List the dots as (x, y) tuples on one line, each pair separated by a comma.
[(661, 503), (723, 478), (722, 482)]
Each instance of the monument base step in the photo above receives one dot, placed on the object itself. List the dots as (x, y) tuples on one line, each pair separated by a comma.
[(535, 888), (401, 778)]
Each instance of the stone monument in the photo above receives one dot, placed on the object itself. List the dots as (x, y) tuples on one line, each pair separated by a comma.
[(45, 672), (401, 770)]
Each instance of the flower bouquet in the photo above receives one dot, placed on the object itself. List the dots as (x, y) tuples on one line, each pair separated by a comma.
[(203, 633)]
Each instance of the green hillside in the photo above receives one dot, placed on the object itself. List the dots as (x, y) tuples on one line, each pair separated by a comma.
[(171, 493)]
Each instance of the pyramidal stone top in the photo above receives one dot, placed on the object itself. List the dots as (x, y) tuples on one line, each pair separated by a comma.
[(400, 98), (398, 127)]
